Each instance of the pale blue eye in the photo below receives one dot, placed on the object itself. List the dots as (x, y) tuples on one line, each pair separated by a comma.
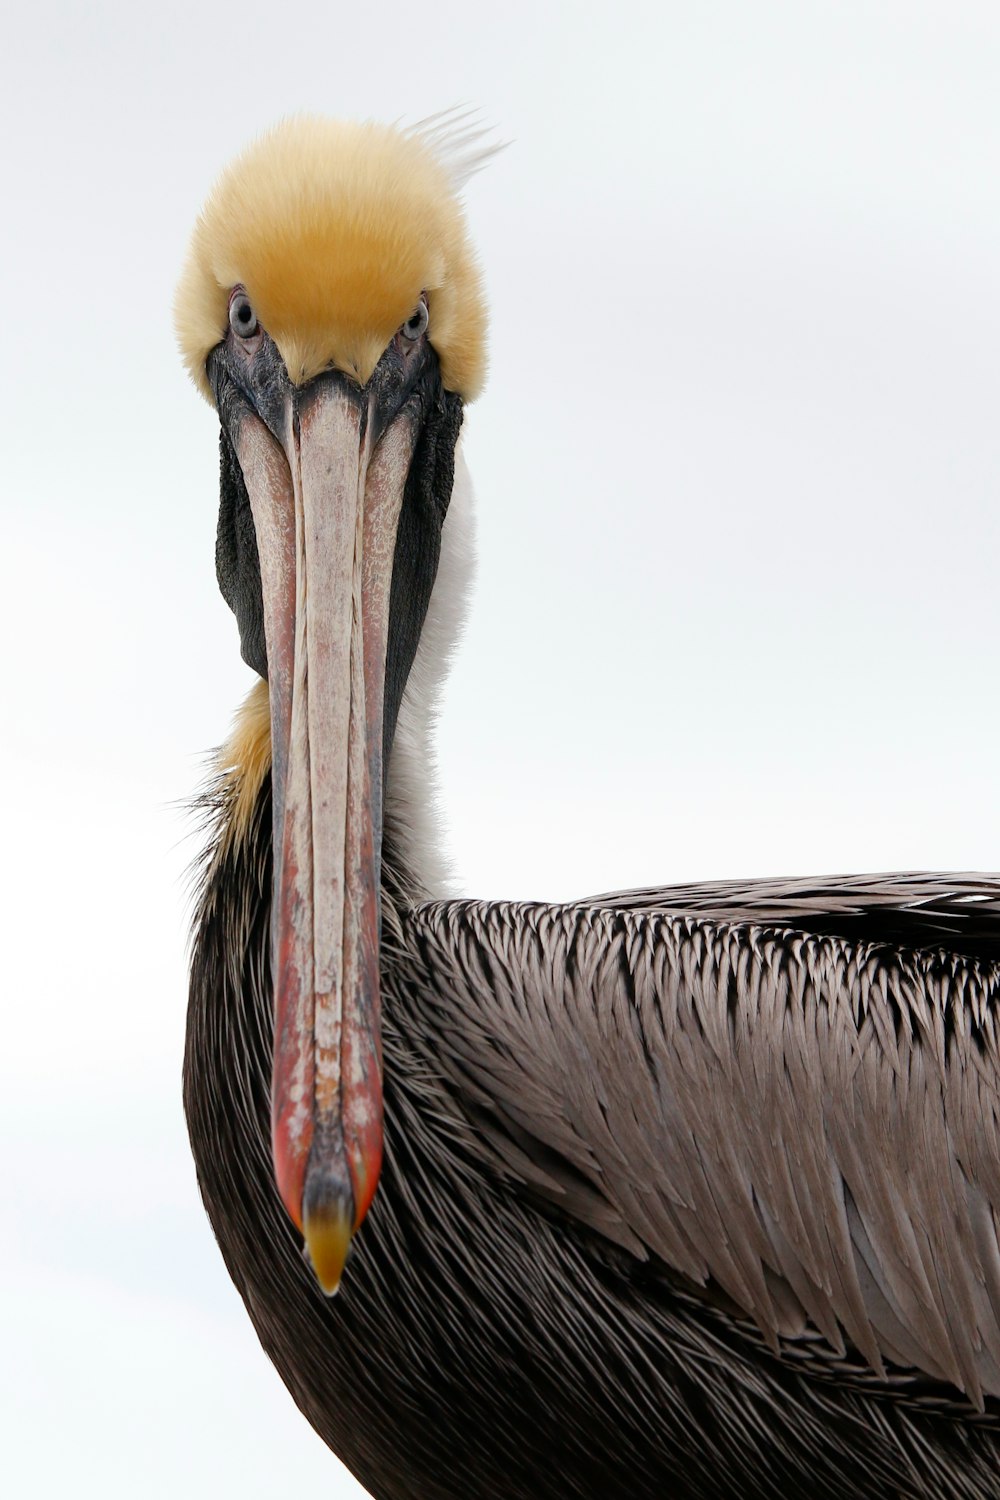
[(242, 318), (416, 325)]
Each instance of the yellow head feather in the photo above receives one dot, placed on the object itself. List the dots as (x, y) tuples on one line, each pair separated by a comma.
[(335, 230)]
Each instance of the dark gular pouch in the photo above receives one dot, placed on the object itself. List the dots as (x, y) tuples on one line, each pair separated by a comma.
[(237, 563)]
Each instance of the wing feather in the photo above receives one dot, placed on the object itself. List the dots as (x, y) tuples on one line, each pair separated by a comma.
[(776, 1099)]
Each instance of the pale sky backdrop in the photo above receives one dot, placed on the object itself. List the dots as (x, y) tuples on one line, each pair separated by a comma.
[(738, 467)]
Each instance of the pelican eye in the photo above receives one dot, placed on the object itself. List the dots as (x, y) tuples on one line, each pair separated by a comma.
[(416, 324), (242, 318)]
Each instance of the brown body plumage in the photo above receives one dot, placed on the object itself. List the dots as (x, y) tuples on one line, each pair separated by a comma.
[(669, 1206)]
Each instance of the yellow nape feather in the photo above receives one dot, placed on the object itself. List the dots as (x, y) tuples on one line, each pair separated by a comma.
[(245, 762), (335, 230)]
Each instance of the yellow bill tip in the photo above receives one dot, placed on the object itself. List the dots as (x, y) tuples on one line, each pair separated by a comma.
[(328, 1241)]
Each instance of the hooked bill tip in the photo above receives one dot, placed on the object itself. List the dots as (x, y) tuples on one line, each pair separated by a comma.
[(327, 1212), (328, 1231)]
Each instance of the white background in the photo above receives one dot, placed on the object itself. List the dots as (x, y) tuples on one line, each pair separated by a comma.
[(737, 468)]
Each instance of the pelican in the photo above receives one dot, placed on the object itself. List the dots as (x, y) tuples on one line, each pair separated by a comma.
[(674, 1195)]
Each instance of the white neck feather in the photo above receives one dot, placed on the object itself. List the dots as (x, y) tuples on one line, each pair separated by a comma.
[(411, 812)]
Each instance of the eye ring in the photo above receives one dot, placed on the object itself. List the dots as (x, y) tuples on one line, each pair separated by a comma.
[(416, 324), (242, 318)]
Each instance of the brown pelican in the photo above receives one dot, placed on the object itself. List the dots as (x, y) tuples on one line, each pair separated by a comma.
[(681, 1193)]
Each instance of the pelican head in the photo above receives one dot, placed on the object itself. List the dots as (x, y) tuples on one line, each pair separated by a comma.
[(331, 309)]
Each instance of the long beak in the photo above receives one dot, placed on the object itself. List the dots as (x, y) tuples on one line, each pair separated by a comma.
[(326, 504)]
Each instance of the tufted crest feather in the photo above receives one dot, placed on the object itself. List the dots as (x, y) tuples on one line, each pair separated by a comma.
[(335, 229), (462, 144)]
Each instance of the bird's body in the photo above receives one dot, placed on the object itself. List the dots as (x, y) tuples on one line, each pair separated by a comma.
[(489, 1343), (685, 1195)]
